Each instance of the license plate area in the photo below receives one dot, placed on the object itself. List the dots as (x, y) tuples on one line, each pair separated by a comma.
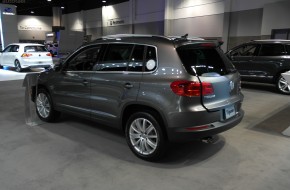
[(229, 111)]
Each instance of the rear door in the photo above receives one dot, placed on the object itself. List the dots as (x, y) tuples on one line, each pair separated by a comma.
[(269, 61), (243, 58), (116, 81)]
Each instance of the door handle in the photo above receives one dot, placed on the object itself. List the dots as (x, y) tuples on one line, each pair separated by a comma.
[(85, 82), (128, 85)]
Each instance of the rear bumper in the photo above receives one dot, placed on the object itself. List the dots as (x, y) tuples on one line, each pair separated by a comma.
[(41, 65), (184, 135)]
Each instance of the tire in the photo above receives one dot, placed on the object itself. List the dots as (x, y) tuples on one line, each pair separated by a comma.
[(282, 85), (17, 66), (44, 106), (145, 137)]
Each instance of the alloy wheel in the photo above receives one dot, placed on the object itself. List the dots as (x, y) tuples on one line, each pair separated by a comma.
[(143, 136), (283, 85), (43, 105), (17, 66)]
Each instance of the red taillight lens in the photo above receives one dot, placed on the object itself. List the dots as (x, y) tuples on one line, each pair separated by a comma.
[(49, 54), (26, 55), (190, 88)]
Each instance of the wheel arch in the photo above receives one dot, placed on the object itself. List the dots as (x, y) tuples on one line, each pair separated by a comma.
[(33, 91), (133, 108), (276, 77)]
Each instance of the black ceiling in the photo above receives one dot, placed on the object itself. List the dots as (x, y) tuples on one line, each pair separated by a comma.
[(44, 7)]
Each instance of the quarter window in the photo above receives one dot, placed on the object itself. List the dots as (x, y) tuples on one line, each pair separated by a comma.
[(151, 59), (272, 50)]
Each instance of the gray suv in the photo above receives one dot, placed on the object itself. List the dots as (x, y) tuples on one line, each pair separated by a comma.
[(263, 61), (155, 88)]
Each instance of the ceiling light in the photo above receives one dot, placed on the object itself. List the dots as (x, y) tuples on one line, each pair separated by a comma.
[(49, 0), (62, 7), (104, 1), (32, 12)]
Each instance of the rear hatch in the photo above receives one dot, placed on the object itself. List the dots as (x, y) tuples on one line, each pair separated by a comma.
[(219, 80), (36, 54)]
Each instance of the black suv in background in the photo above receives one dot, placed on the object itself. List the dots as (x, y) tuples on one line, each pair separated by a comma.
[(263, 61)]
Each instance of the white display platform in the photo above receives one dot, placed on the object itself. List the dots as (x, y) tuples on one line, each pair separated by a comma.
[(31, 117)]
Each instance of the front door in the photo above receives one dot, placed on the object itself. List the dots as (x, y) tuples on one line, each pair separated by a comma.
[(72, 85)]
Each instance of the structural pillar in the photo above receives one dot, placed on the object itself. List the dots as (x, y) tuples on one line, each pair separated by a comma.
[(8, 25)]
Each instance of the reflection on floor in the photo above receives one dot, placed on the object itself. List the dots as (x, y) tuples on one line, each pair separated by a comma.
[(6, 75)]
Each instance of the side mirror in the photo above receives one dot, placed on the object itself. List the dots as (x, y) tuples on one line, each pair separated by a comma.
[(58, 66)]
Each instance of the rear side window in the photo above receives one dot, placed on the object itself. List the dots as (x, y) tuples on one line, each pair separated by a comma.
[(34, 49), (116, 57), (198, 61), (128, 57), (272, 50)]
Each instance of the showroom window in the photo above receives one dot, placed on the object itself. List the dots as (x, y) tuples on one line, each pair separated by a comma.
[(246, 50), (272, 50), (84, 60)]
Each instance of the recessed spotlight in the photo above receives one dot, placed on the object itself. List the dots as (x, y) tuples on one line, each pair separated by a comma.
[(48, 0), (62, 7), (104, 1), (32, 12)]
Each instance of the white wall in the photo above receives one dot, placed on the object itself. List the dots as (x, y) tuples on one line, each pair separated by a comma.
[(73, 21), (149, 11), (93, 18), (241, 5), (276, 16), (189, 8), (33, 27), (202, 18)]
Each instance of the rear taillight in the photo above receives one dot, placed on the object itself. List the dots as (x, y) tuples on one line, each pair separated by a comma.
[(49, 54), (191, 88), (26, 55)]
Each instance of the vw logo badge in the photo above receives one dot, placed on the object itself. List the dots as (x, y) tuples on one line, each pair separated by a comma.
[(232, 85)]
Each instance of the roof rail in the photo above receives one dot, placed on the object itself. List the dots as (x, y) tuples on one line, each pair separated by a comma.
[(130, 35), (271, 40), (149, 35)]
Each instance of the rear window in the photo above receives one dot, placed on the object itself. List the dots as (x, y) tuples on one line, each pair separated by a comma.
[(34, 49), (198, 61)]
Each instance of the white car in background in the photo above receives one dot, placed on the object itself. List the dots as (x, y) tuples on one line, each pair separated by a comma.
[(26, 55)]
